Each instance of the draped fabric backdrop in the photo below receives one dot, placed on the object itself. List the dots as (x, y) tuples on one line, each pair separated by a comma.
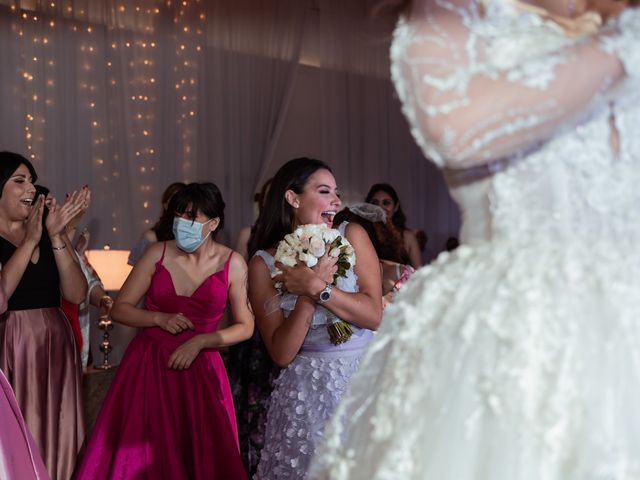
[(129, 96)]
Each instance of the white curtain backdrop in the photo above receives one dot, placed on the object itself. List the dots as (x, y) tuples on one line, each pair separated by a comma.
[(129, 96)]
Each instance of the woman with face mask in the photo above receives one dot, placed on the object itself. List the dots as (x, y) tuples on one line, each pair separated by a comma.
[(169, 412)]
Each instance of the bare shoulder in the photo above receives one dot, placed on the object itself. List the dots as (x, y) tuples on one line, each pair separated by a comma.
[(257, 262), (355, 232), (150, 236), (154, 252), (236, 261)]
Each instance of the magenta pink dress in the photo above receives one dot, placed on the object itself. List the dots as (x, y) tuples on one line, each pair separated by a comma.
[(158, 423)]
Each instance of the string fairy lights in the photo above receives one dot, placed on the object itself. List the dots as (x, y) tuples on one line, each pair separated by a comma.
[(92, 61)]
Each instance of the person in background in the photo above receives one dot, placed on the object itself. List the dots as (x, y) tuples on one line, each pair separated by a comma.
[(79, 315), (169, 411), (96, 295), (251, 371), (244, 236), (37, 348), (161, 230), (374, 220), (70, 309), (315, 372), (385, 196), (423, 242)]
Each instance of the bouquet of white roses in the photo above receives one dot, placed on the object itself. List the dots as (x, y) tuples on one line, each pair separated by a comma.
[(307, 244)]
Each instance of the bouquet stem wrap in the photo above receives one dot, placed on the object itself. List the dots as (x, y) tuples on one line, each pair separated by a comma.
[(339, 330)]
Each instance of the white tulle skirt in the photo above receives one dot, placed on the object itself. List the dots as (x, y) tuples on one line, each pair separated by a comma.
[(500, 363)]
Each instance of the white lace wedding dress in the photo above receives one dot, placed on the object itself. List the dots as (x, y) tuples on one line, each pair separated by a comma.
[(516, 357)]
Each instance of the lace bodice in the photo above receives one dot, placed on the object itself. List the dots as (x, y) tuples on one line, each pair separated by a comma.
[(497, 86)]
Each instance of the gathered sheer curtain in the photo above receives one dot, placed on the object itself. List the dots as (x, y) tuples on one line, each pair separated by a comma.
[(129, 96)]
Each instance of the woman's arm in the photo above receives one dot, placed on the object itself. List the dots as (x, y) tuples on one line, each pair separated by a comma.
[(242, 327), (15, 267), (362, 308), (412, 248), (125, 310), (476, 96), (282, 336), (73, 283), (240, 330)]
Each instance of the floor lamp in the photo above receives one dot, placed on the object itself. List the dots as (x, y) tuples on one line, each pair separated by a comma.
[(112, 268)]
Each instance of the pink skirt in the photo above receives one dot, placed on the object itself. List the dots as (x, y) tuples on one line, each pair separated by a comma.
[(19, 457), (40, 360)]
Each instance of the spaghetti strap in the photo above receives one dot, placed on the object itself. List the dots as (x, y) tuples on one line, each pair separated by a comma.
[(226, 266), (164, 249)]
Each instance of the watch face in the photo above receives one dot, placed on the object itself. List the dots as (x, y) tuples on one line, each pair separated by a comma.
[(324, 296)]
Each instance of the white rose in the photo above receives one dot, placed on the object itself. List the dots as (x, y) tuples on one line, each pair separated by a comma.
[(289, 261), (317, 247), (292, 240), (309, 259)]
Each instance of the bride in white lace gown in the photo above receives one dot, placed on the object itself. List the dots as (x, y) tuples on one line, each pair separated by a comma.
[(517, 357)]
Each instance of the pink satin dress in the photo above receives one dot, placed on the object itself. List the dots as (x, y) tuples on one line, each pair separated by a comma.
[(157, 423), (19, 456)]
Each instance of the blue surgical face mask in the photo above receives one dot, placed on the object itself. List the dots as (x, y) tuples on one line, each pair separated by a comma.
[(188, 234)]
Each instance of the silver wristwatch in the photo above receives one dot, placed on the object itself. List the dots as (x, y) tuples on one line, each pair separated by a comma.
[(325, 294)]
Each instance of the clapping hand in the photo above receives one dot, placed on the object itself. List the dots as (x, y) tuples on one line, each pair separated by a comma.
[(60, 216), (83, 241), (84, 196), (34, 221)]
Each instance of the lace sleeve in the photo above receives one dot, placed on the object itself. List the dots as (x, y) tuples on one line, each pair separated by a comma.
[(625, 41), (479, 84)]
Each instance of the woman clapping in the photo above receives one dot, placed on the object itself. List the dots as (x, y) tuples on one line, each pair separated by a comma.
[(37, 348)]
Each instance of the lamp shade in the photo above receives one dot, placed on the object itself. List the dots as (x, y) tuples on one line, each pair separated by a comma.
[(111, 266)]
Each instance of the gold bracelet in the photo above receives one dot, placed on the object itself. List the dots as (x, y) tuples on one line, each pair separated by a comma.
[(62, 247)]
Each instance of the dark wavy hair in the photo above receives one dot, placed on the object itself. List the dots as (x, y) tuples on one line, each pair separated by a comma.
[(346, 215), (386, 240), (276, 217), (199, 197), (163, 228), (9, 163), (399, 219)]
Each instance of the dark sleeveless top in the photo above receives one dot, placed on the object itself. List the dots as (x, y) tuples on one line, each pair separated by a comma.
[(39, 287)]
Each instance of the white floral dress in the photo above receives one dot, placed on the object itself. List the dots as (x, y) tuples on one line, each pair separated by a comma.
[(307, 392)]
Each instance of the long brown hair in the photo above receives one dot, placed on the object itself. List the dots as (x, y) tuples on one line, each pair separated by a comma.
[(276, 217)]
